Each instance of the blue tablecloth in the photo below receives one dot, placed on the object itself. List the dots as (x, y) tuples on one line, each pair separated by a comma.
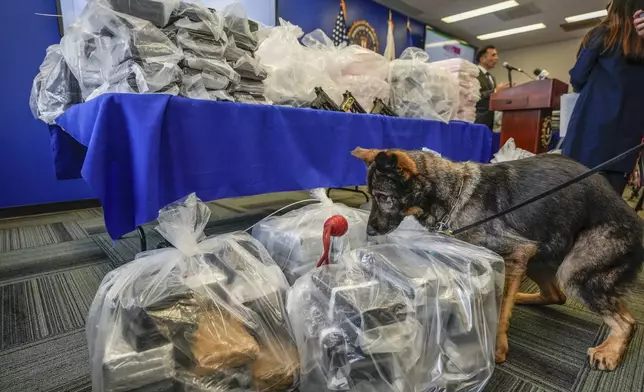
[(141, 152)]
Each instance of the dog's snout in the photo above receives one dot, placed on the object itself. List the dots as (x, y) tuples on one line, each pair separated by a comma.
[(371, 231)]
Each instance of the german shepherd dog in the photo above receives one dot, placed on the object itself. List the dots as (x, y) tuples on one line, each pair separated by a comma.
[(583, 239)]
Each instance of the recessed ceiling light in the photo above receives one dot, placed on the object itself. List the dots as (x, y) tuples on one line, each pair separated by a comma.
[(480, 11), (517, 30), (589, 15)]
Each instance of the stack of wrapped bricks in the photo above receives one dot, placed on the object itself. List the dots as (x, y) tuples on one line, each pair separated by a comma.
[(399, 317), (150, 46), (219, 61), (467, 74), (207, 316), (419, 89), (407, 312)]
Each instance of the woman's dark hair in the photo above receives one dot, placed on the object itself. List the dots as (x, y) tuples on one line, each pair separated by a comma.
[(618, 30)]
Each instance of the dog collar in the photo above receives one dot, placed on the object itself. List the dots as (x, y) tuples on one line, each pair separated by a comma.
[(443, 224)]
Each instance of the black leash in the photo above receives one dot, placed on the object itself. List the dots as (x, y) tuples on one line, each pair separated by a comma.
[(574, 180)]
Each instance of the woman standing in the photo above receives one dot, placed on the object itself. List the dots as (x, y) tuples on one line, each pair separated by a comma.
[(608, 118)]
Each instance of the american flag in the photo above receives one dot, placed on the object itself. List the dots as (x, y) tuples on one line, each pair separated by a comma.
[(340, 29)]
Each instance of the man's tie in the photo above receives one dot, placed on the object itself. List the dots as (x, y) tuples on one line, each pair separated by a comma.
[(489, 77)]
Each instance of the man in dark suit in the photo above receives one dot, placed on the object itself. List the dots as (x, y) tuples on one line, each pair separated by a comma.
[(487, 58)]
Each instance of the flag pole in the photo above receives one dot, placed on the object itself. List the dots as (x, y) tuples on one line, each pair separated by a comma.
[(344, 8)]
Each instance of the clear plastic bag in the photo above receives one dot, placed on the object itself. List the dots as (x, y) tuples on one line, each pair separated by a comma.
[(249, 67), (249, 86), (294, 240), (238, 28), (251, 99), (212, 65), (54, 89), (101, 39), (467, 74), (202, 44), (358, 61), (421, 90), (211, 80), (203, 85), (209, 313), (367, 88), (199, 19), (155, 11), (295, 70), (417, 315), (510, 152), (142, 78)]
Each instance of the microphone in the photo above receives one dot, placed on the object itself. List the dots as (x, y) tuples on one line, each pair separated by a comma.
[(541, 74), (511, 68)]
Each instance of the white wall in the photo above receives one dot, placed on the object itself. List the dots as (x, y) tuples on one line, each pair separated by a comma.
[(556, 57)]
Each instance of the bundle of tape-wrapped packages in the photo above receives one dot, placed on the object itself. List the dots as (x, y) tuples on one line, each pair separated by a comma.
[(418, 313), (207, 315), (151, 46), (294, 240), (466, 73), (294, 69), (422, 90)]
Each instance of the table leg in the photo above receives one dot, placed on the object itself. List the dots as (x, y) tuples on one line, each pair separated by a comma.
[(143, 238)]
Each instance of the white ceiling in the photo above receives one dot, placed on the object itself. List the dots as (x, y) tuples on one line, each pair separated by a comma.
[(550, 12)]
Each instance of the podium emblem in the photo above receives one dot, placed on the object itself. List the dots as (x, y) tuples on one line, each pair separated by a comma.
[(546, 132)]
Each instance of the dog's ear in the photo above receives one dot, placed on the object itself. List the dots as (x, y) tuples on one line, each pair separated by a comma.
[(368, 156), (388, 160), (405, 163)]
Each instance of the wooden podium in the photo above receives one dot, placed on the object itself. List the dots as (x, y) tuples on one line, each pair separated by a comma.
[(527, 112)]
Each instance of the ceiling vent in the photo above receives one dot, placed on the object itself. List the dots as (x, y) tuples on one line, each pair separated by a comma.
[(581, 25), (522, 11)]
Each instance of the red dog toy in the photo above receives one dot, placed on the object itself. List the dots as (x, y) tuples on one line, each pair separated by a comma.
[(335, 226)]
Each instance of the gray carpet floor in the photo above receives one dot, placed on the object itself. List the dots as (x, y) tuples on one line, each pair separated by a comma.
[(51, 266)]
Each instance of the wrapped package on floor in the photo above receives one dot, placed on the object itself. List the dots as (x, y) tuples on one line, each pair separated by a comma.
[(125, 369), (421, 314), (353, 331), (294, 239), (55, 88), (155, 11), (467, 284), (209, 315), (420, 90)]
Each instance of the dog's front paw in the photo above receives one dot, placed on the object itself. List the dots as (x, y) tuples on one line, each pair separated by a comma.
[(502, 348), (605, 357)]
